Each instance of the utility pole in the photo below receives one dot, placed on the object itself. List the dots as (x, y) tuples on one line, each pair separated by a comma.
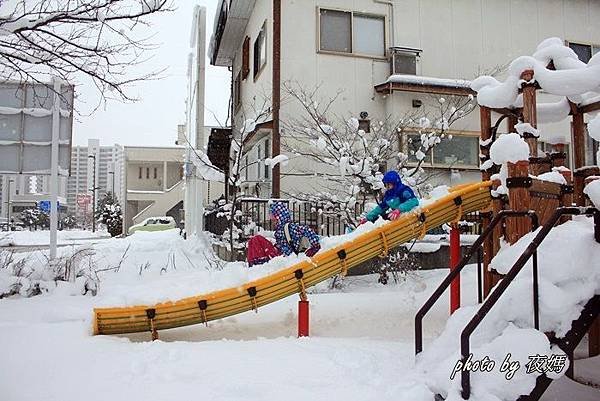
[(93, 189)]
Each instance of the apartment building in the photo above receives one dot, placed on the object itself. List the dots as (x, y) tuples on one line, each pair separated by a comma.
[(107, 162), (385, 58)]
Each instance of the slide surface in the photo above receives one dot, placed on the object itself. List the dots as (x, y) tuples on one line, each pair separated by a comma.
[(325, 264)]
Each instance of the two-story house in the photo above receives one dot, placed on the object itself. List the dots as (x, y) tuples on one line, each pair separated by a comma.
[(385, 57)]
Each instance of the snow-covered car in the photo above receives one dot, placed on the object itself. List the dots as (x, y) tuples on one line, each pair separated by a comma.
[(154, 224)]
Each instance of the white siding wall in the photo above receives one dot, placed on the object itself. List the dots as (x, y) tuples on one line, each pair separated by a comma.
[(459, 39)]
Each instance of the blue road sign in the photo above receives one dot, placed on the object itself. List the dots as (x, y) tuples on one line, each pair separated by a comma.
[(44, 206)]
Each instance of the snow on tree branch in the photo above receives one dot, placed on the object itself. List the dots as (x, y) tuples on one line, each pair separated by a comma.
[(340, 151), (76, 38)]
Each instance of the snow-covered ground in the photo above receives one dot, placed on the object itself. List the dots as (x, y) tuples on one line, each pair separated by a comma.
[(361, 348), (361, 345), (42, 237)]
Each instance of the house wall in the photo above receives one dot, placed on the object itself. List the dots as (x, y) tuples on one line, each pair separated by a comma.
[(458, 38), (256, 91)]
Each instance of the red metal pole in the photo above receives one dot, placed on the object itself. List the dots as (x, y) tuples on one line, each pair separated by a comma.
[(454, 260), (302, 318)]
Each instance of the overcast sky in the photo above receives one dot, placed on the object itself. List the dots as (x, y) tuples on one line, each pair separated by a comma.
[(154, 118)]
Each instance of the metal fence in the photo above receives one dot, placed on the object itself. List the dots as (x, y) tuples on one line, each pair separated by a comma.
[(323, 218)]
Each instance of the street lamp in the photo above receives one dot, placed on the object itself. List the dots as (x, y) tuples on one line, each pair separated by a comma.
[(93, 189), (8, 204)]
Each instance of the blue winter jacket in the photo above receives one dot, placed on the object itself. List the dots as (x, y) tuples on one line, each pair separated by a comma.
[(400, 197), (297, 231)]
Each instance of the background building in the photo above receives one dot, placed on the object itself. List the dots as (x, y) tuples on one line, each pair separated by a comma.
[(201, 187), (154, 183), (109, 175), (26, 191)]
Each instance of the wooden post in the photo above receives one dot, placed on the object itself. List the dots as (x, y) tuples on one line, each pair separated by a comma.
[(530, 114), (558, 155), (580, 177), (511, 121), (485, 117), (518, 183), (578, 140), (566, 196)]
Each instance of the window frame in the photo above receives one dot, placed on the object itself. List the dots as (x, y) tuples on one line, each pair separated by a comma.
[(352, 41), (429, 161), (592, 46), (257, 71), (237, 91), (246, 58)]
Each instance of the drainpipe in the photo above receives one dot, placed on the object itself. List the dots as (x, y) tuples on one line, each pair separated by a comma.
[(390, 3), (276, 100)]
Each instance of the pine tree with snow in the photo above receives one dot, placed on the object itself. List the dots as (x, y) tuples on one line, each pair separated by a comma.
[(109, 213), (34, 218)]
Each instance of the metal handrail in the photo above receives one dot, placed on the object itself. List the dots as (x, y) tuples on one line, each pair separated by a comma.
[(508, 278), (463, 262)]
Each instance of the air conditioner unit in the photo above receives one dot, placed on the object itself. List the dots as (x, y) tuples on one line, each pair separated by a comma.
[(403, 60)]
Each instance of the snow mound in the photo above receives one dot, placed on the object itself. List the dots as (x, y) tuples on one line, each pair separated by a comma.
[(593, 191), (509, 148), (568, 278), (553, 176), (594, 128)]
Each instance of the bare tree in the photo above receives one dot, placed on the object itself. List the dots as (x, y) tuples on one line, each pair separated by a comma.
[(341, 151), (74, 38), (254, 115)]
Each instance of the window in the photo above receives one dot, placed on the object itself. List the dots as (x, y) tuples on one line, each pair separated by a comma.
[(246, 168), (258, 162), (147, 172), (155, 172), (404, 61), (460, 151), (353, 33), (140, 174), (260, 50), (267, 154), (237, 91), (584, 51), (246, 58)]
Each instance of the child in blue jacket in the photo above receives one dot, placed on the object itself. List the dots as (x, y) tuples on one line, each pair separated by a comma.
[(398, 198), (291, 237)]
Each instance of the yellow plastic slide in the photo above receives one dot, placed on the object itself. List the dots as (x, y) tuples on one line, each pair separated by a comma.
[(295, 279)]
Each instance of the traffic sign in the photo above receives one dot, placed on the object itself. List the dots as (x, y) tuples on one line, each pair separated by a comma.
[(44, 206)]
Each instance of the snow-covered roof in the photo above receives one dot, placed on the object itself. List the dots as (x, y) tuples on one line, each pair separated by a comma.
[(229, 26), (418, 83)]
